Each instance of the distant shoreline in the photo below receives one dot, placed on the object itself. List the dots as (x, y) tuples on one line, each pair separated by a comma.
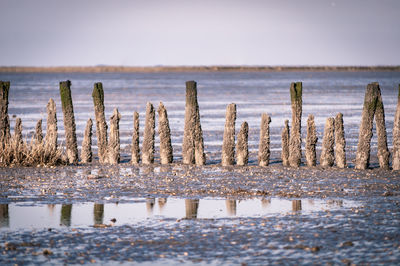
[(150, 69)]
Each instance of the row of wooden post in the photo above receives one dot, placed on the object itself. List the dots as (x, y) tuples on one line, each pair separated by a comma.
[(333, 144)]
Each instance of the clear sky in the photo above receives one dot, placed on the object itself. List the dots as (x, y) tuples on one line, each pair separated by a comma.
[(199, 32)]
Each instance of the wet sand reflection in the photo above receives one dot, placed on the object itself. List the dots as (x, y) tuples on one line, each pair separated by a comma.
[(191, 207), (66, 210), (4, 216), (230, 207), (98, 213)]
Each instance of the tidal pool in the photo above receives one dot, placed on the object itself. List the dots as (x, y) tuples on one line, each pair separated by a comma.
[(29, 215)]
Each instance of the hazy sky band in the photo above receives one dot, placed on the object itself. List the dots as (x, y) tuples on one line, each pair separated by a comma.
[(177, 32)]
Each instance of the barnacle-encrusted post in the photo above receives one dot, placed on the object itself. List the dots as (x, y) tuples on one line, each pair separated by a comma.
[(285, 143), (340, 142), (327, 153), (228, 145), (263, 148), (135, 140), (311, 142), (69, 121), (114, 142), (396, 136), (86, 153), (101, 124), (38, 132), (164, 132), (4, 119), (242, 150), (148, 136), (295, 134)]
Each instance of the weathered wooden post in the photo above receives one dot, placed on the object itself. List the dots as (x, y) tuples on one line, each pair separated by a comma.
[(135, 140), (327, 154), (51, 127), (148, 136), (164, 132), (285, 143), (101, 124), (396, 136), (242, 150), (18, 131), (228, 144), (193, 144), (295, 136), (86, 154), (38, 132), (114, 143), (340, 142), (311, 142), (365, 133), (4, 119), (69, 121), (263, 148), (383, 151)]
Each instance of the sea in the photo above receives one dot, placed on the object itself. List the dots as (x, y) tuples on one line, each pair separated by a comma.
[(324, 95)]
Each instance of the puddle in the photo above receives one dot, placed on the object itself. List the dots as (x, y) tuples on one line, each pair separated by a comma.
[(27, 215)]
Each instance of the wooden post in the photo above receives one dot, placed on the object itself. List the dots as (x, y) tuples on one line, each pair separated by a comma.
[(69, 121), (101, 124), (51, 127), (114, 143), (263, 148), (193, 144), (148, 136), (383, 151), (18, 131), (285, 144), (327, 154), (228, 145), (164, 132), (86, 154), (38, 132), (340, 142), (4, 119), (135, 140), (295, 136), (311, 142), (365, 133), (242, 150), (396, 136)]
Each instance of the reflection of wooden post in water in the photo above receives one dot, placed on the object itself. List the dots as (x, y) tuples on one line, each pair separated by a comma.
[(191, 207), (98, 213), (193, 144), (296, 205), (150, 205), (231, 207), (265, 203), (162, 202), (66, 210), (69, 121), (296, 90), (228, 143), (4, 218), (4, 119)]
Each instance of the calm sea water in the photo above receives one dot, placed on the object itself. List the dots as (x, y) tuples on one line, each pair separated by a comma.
[(324, 95)]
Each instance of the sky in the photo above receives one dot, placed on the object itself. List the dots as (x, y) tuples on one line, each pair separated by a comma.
[(186, 32)]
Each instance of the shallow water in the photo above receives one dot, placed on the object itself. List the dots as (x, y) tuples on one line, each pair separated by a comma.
[(29, 215), (324, 95)]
